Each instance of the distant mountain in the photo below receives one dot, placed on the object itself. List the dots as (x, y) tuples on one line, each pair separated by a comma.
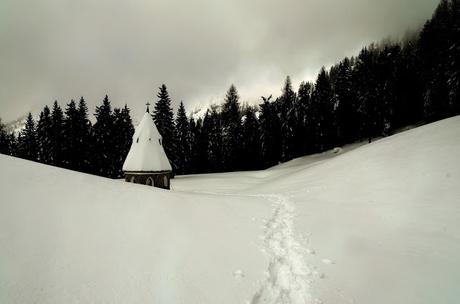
[(16, 125)]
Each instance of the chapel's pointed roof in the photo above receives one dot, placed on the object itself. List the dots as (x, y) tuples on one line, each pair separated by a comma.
[(147, 153)]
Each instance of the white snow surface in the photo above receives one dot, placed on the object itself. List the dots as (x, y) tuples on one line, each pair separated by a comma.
[(146, 152), (377, 223)]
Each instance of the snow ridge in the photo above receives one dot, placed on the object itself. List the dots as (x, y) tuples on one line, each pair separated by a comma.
[(287, 273)]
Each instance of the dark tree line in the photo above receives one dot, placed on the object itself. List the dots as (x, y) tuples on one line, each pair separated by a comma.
[(387, 86), (66, 138)]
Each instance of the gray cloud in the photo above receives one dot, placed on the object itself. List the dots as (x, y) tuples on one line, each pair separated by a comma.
[(62, 49)]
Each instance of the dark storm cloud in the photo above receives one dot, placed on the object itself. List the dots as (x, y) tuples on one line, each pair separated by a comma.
[(61, 49)]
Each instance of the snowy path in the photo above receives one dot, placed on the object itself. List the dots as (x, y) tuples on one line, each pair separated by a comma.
[(287, 274)]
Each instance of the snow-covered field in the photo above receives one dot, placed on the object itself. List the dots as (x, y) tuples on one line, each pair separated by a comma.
[(377, 223)]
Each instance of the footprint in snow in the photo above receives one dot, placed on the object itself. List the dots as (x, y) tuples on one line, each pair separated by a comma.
[(310, 251), (238, 274), (327, 261)]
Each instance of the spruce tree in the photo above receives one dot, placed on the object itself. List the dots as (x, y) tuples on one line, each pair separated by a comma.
[(163, 117), (200, 146), (28, 141), (123, 131), (84, 141), (366, 80), (103, 140), (231, 130), (288, 121), (212, 129), (182, 131), (303, 134), (344, 99), (322, 112), (251, 155), (57, 130), (45, 137), (71, 137), (434, 48), (192, 140), (270, 132)]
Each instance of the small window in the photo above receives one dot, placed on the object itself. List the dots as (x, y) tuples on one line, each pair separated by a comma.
[(132, 179), (159, 140), (137, 140), (165, 180)]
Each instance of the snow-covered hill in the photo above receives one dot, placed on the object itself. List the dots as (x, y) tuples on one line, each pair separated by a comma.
[(378, 223)]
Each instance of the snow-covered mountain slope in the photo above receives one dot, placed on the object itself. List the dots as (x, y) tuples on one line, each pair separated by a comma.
[(377, 224)]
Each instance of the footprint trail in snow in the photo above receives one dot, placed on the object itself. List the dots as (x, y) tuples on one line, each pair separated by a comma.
[(287, 274)]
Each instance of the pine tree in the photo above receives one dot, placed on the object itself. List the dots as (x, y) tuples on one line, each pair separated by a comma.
[(45, 137), (28, 140), (71, 138), (287, 103), (322, 111), (409, 108), (57, 130), (303, 134), (200, 146), (163, 117), (182, 131), (434, 46), (123, 131), (251, 155), (231, 130), (366, 80), (346, 107), (270, 129), (212, 129), (104, 147), (192, 140), (84, 142)]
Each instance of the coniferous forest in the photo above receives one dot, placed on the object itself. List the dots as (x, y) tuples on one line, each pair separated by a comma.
[(387, 86)]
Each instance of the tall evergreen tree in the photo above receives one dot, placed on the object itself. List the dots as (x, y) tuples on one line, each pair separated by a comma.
[(28, 140), (287, 103), (57, 129), (366, 79), (45, 137), (84, 142), (123, 131), (71, 138), (434, 48), (193, 141), (200, 145), (322, 111), (103, 140), (182, 130), (231, 130), (346, 107), (270, 129), (303, 134), (251, 155), (163, 117), (212, 131)]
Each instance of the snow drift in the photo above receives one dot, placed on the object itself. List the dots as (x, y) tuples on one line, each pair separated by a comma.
[(378, 223)]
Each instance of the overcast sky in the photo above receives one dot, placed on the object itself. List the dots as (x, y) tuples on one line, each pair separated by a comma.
[(62, 49)]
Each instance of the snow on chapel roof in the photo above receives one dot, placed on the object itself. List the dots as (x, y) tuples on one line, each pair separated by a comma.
[(147, 153)]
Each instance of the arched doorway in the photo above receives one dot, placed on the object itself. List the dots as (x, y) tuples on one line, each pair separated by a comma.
[(149, 181)]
